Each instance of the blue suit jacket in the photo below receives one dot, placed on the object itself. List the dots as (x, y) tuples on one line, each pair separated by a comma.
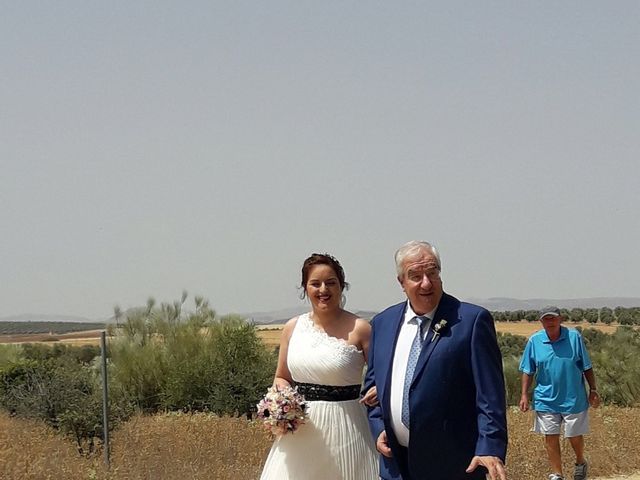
[(457, 398)]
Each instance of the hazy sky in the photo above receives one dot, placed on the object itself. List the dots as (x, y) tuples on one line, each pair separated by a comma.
[(151, 147)]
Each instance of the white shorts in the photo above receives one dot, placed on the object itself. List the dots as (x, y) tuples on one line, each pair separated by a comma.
[(575, 424)]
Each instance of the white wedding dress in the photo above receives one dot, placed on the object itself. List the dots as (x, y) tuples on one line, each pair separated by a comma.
[(335, 442)]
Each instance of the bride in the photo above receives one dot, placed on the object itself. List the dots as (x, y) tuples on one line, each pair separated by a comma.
[(323, 352)]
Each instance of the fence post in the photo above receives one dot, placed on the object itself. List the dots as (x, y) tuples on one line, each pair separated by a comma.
[(105, 399)]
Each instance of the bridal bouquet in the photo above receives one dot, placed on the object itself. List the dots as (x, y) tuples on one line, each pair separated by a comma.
[(282, 410)]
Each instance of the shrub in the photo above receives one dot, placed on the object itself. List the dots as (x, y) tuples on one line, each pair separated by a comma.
[(9, 354), (39, 352), (616, 360), (164, 359), (62, 391), (511, 347), (244, 367)]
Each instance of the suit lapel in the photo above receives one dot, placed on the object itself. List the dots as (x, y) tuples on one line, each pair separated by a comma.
[(430, 342)]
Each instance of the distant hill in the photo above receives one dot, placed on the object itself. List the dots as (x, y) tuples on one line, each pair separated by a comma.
[(496, 304), (281, 316), (499, 304), (37, 317)]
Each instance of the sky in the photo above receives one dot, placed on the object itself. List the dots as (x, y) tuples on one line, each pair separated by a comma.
[(152, 147)]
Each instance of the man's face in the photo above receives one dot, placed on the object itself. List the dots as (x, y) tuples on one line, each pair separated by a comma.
[(420, 280), (551, 323)]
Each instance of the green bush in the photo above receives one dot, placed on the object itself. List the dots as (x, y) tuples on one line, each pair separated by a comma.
[(511, 347), (82, 354), (616, 360), (164, 359), (62, 386), (9, 354), (62, 392), (243, 365)]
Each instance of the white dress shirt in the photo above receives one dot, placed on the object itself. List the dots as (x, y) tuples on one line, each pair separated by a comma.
[(399, 370)]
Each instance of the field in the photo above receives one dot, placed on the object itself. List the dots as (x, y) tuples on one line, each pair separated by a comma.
[(87, 337), (270, 334), (23, 327), (206, 447)]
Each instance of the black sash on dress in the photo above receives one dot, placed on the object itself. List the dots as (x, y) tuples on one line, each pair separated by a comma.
[(328, 393)]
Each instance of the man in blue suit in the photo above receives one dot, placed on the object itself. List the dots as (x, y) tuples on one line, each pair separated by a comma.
[(437, 368)]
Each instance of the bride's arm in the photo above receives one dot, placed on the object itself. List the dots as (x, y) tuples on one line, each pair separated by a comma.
[(283, 376), (363, 335), (363, 328)]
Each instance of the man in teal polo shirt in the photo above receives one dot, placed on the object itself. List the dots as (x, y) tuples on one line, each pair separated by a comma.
[(556, 356)]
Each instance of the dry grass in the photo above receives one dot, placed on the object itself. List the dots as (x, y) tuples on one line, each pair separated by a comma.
[(192, 447), (29, 450), (87, 337), (188, 447), (270, 334), (180, 447), (612, 447), (527, 328)]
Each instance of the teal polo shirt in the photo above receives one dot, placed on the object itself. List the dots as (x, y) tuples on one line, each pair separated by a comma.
[(558, 367)]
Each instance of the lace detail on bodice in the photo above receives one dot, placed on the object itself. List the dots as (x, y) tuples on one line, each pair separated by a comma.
[(306, 325), (316, 357)]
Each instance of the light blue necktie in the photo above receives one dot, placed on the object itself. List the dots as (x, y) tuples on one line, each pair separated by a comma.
[(414, 353)]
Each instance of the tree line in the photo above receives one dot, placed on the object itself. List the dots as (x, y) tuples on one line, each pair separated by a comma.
[(162, 358), (33, 327), (606, 315)]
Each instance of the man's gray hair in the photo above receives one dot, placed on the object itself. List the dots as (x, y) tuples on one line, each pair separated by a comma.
[(413, 249)]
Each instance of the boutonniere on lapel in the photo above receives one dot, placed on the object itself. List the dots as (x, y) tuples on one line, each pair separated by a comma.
[(438, 328)]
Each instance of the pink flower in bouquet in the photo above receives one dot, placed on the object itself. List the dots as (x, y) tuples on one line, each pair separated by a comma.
[(282, 410)]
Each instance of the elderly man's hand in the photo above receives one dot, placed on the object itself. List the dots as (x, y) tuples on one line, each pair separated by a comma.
[(382, 445), (370, 398), (495, 467)]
